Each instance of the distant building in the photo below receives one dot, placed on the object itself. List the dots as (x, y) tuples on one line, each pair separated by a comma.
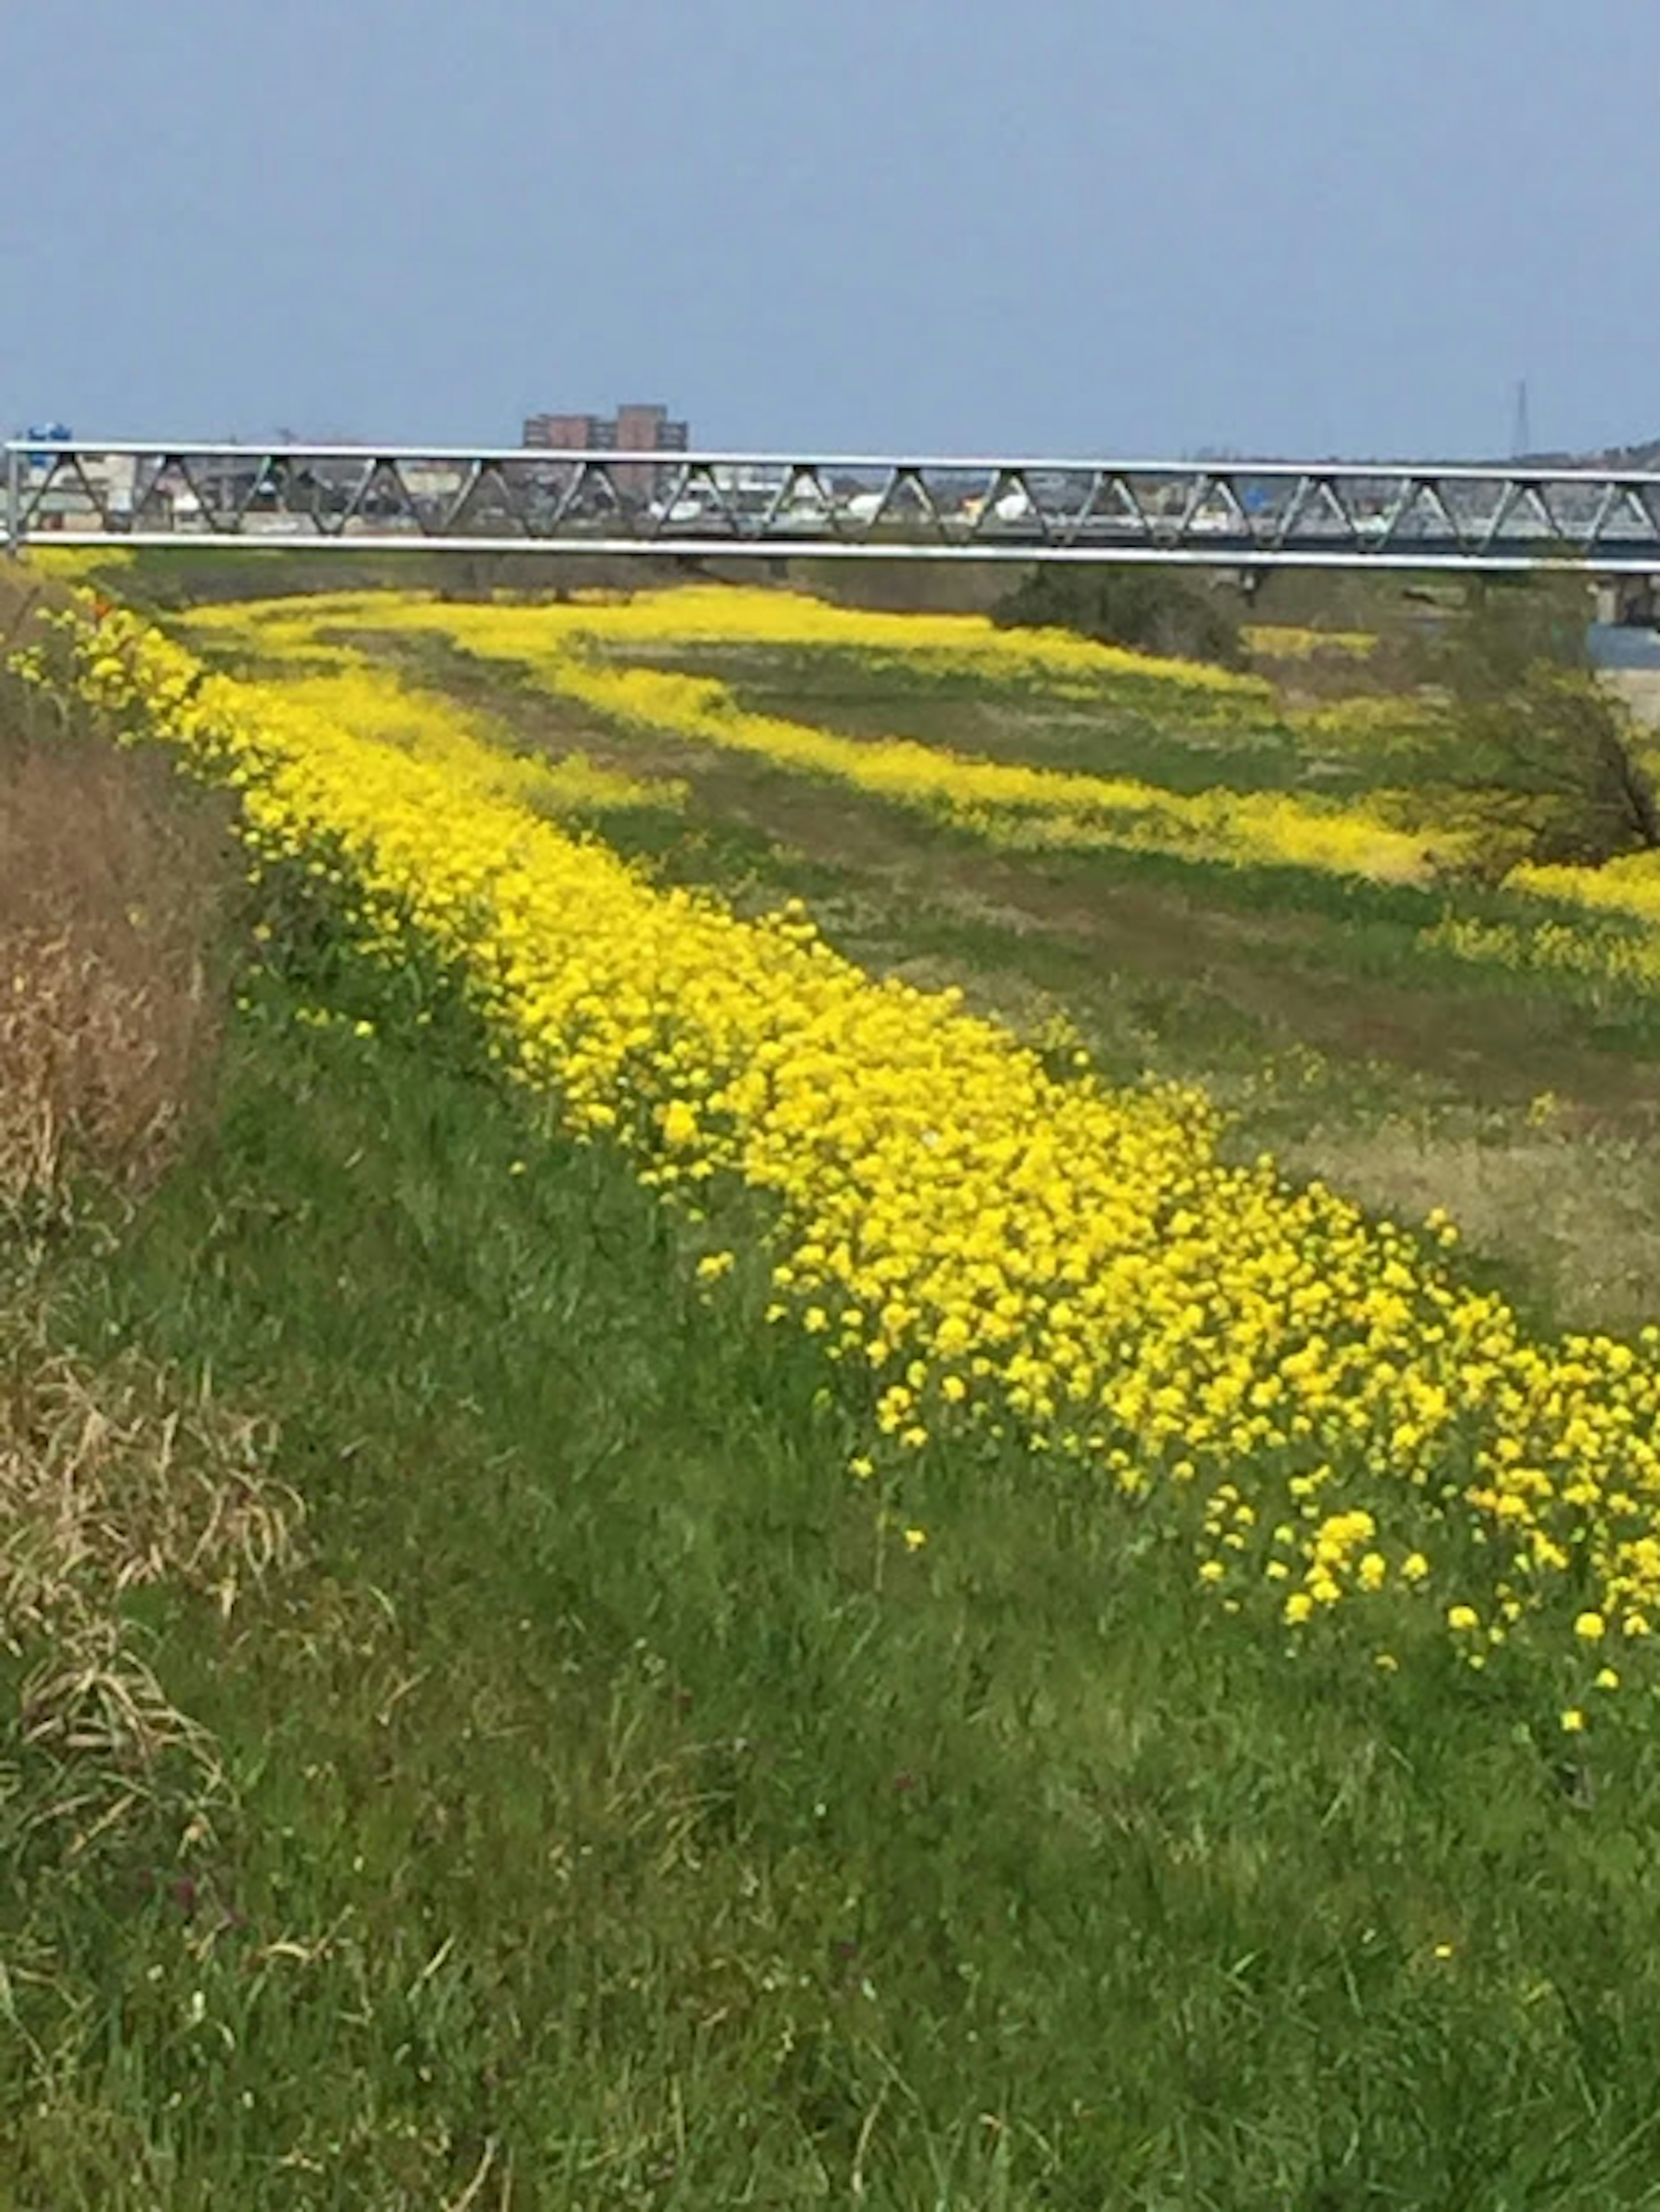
[(633, 428), (583, 434)]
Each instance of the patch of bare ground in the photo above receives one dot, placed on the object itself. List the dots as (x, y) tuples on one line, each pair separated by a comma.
[(1639, 690), (1576, 1209)]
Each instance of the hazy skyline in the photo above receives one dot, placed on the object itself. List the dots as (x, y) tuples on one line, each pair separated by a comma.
[(1306, 226)]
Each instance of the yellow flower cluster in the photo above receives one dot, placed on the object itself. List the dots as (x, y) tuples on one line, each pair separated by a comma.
[(1005, 802), (1285, 641), (370, 702), (79, 564), (1619, 945), (341, 683), (1368, 726), (1554, 947), (982, 1245), (728, 615), (1628, 887)]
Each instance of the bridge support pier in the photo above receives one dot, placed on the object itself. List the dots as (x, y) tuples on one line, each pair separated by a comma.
[(1629, 602)]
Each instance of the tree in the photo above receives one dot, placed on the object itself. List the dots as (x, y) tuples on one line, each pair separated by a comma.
[(1148, 610), (1538, 759)]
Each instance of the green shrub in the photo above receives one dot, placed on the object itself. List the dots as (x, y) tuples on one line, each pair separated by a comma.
[(1149, 610)]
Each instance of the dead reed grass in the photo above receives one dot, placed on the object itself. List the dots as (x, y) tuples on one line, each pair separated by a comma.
[(109, 889), (110, 1482), (115, 1478)]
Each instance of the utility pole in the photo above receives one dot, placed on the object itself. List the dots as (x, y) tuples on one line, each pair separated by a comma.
[(1521, 443)]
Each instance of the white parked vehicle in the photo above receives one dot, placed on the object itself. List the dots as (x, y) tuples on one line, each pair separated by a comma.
[(689, 508), (1014, 505)]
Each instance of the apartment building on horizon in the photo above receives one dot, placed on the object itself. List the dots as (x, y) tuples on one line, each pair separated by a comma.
[(635, 428)]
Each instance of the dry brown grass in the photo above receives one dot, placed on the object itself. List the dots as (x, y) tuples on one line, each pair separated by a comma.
[(108, 889), (115, 1479), (1574, 1210), (110, 1482)]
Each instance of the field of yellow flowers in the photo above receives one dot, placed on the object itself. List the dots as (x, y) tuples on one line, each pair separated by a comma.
[(607, 656), (1362, 1441), (575, 651), (952, 1555)]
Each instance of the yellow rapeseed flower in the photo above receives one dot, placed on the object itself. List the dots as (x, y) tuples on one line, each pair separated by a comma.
[(1091, 1255)]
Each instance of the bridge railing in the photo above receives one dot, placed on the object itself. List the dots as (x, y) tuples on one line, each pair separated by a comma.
[(1240, 515)]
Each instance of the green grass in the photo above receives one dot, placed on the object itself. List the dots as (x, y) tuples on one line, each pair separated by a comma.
[(1120, 727), (623, 1819), (620, 1820)]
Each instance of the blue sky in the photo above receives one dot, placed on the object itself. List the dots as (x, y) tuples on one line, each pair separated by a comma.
[(1096, 226)]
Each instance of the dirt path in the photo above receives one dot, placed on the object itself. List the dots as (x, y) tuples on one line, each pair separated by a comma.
[(1283, 969), (1640, 688)]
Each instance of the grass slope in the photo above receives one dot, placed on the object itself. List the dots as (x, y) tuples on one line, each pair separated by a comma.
[(623, 1824)]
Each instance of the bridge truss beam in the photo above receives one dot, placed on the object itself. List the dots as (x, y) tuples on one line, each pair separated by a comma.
[(1251, 515)]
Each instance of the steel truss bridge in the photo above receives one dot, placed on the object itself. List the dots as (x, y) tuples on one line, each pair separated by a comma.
[(1245, 515)]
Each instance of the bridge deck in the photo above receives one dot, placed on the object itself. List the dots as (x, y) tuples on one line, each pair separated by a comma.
[(1238, 515)]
